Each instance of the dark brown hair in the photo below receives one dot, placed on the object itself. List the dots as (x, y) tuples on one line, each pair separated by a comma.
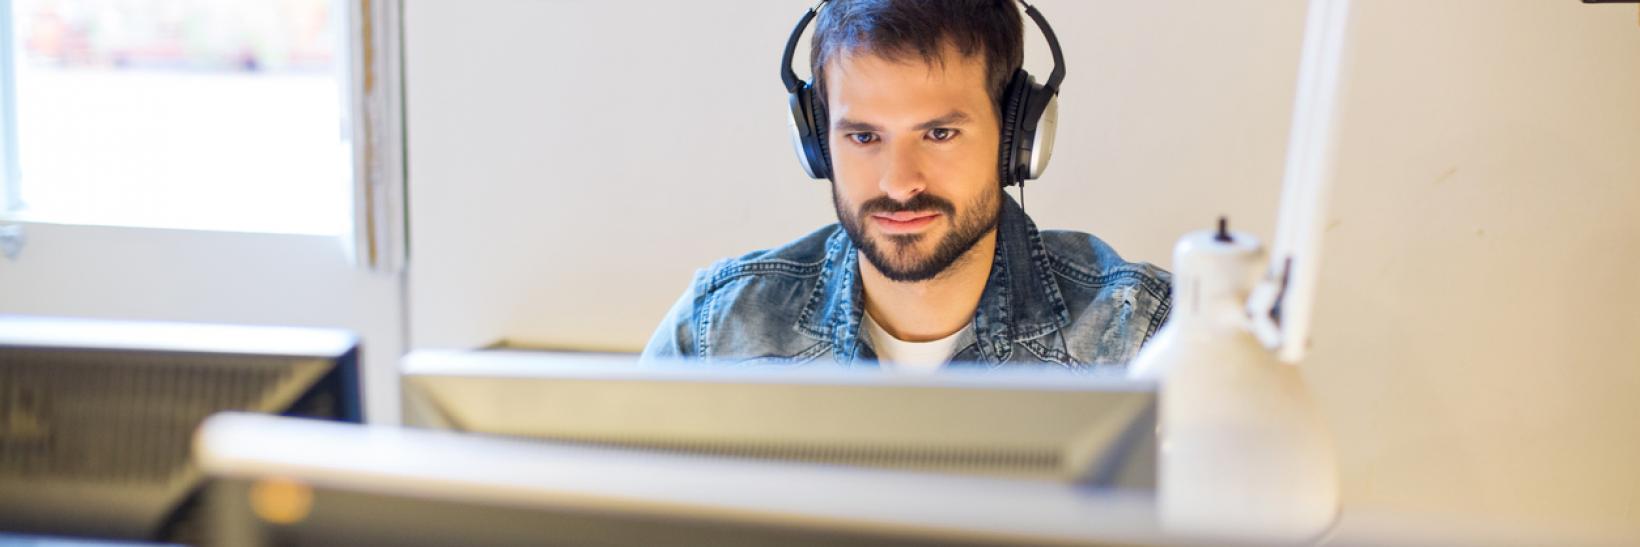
[(904, 29)]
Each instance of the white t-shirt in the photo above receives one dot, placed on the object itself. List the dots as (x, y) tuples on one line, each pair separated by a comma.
[(899, 355)]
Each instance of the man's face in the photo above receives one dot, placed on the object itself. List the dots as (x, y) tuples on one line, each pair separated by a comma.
[(914, 159)]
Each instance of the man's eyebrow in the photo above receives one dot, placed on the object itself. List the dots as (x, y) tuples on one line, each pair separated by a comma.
[(848, 125), (954, 117)]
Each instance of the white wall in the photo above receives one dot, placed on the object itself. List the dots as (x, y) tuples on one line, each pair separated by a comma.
[(1477, 331), (572, 163)]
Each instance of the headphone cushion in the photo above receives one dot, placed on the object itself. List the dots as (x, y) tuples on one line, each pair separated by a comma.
[(821, 122), (1013, 106)]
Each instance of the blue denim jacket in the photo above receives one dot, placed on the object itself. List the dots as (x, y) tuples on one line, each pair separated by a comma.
[(1054, 297)]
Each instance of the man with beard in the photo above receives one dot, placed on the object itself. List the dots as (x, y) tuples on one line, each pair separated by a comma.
[(931, 262)]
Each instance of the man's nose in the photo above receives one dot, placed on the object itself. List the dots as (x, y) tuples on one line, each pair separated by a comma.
[(903, 177)]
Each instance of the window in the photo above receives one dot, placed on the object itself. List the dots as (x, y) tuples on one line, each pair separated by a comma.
[(199, 114)]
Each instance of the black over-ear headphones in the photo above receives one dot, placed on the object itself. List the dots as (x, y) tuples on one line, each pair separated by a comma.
[(1030, 112)]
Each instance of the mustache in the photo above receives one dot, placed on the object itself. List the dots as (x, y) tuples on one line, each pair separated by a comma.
[(917, 203)]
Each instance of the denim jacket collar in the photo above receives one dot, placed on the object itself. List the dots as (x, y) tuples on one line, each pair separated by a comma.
[(1021, 300)]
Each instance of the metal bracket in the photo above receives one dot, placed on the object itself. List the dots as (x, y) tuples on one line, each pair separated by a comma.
[(1264, 305)]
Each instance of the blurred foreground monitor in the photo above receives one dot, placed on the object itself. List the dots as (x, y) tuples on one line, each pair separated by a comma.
[(519, 448), (97, 417)]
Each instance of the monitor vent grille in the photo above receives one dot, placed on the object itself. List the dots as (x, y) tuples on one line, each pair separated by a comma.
[(116, 417), (989, 460)]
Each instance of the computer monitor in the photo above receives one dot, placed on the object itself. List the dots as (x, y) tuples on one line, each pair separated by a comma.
[(531, 448), (97, 416), (1035, 423), (278, 481)]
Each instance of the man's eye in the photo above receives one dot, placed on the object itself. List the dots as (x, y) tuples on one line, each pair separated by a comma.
[(942, 134), (863, 138)]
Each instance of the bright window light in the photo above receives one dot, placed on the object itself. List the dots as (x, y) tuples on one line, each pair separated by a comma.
[(195, 114)]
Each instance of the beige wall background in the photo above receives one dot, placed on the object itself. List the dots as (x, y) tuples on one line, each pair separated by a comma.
[(1477, 337), (1477, 328)]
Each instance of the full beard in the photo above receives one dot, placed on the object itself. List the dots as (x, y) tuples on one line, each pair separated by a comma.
[(898, 256)]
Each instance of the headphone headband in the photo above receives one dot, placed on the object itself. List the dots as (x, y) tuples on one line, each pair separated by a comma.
[(789, 76), (1058, 74)]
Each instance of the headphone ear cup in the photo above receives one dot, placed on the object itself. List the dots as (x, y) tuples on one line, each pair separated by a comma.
[(821, 122), (1013, 106), (809, 137), (1042, 116)]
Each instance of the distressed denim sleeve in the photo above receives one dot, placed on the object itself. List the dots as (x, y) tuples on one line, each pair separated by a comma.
[(1164, 306), (675, 337)]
